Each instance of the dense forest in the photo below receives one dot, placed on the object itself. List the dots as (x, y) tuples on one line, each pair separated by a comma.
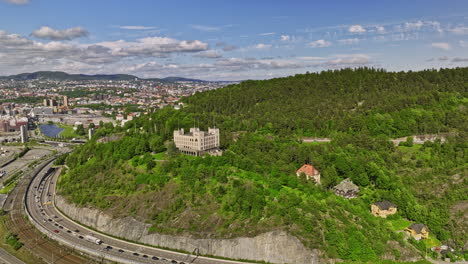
[(253, 188)]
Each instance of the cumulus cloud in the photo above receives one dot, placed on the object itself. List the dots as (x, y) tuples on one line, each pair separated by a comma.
[(153, 46), (210, 54), (136, 27), (285, 38), (66, 34), (226, 47), (443, 58), (349, 41), (380, 29), (459, 30), (463, 44), (344, 60), (459, 59), (17, 2), (441, 45), (356, 29), (321, 43)]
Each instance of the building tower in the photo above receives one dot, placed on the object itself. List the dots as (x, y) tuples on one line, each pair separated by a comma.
[(65, 101), (24, 134), (90, 133)]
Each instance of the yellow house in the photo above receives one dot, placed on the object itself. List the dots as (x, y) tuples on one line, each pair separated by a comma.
[(418, 231), (383, 208)]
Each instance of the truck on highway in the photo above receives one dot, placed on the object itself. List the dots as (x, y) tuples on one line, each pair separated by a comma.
[(92, 239)]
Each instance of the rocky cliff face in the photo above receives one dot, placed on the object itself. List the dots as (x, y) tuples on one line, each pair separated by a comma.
[(273, 247)]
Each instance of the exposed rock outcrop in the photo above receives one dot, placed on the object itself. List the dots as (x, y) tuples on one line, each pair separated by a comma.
[(274, 247)]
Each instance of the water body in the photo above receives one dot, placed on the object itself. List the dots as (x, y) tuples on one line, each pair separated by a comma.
[(51, 130)]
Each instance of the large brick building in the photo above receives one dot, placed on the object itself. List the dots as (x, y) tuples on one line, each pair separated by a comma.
[(197, 142)]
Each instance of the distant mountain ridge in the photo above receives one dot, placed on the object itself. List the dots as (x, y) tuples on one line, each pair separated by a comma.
[(63, 76)]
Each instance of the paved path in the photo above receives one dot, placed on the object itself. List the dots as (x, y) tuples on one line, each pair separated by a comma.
[(6, 258)]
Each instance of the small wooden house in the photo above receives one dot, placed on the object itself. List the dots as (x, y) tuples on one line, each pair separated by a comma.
[(418, 231), (383, 208), (310, 172), (346, 189)]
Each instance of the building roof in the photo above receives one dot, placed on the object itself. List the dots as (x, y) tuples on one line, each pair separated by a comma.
[(417, 227), (308, 170), (347, 185), (384, 205)]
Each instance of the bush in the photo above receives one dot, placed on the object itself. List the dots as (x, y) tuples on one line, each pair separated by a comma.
[(12, 240)]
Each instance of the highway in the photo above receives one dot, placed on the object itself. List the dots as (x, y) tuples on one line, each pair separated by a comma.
[(40, 204), (47, 250)]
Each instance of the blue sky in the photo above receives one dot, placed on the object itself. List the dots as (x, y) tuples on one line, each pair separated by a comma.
[(230, 40)]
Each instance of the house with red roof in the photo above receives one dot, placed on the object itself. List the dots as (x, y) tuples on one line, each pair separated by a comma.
[(310, 172)]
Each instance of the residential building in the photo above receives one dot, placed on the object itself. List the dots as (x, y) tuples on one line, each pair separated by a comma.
[(383, 209), (418, 231), (197, 142), (310, 172), (346, 189)]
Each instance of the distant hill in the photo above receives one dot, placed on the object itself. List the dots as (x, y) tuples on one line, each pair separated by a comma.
[(61, 76), (180, 79)]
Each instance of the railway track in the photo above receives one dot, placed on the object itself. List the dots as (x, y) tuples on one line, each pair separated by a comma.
[(17, 223)]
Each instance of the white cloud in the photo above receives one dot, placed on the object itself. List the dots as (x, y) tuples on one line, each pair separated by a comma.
[(210, 54), (136, 27), (17, 2), (463, 44), (349, 41), (409, 26), (267, 34), (459, 30), (66, 34), (321, 43), (356, 29), (443, 58), (459, 59), (225, 46), (380, 29), (285, 38), (441, 45), (206, 28), (262, 46), (349, 59)]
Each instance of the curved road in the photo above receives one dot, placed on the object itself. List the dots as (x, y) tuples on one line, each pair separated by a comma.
[(40, 204)]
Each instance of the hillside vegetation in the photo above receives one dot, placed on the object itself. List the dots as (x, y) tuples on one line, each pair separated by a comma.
[(253, 188)]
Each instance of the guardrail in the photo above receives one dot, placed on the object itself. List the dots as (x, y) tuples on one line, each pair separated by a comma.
[(61, 240)]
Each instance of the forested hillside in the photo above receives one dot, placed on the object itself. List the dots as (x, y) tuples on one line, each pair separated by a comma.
[(351, 101), (253, 188)]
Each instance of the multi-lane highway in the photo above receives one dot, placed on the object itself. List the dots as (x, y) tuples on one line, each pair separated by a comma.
[(35, 242), (40, 205)]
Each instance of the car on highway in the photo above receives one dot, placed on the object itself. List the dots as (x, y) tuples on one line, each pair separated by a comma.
[(121, 251), (135, 254), (155, 258), (145, 256), (56, 231)]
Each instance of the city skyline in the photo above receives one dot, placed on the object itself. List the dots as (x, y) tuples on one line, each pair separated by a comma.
[(229, 41)]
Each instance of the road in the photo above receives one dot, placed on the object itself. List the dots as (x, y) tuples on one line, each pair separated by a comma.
[(6, 258), (34, 241), (40, 203)]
